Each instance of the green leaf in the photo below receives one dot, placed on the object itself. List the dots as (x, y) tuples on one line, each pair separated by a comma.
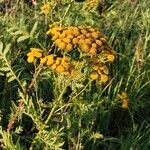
[(4, 69), (7, 48), (1, 46), (9, 74), (17, 32), (22, 38), (34, 28), (12, 78)]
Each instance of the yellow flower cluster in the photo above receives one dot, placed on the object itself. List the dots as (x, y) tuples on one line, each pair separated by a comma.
[(46, 8), (59, 64), (91, 4), (33, 54), (100, 71), (124, 100), (89, 40)]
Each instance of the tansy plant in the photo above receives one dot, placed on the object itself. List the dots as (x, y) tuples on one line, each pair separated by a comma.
[(92, 44)]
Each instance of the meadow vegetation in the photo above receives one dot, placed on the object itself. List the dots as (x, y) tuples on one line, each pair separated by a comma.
[(75, 75)]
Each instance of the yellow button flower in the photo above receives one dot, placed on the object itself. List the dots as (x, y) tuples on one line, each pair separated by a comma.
[(60, 69), (69, 47), (66, 65), (95, 35), (46, 8), (35, 53), (62, 45), (57, 62), (95, 67), (54, 66), (43, 60), (111, 58), (75, 41), (85, 47), (104, 78), (66, 58), (124, 100), (99, 43), (93, 51), (67, 40), (125, 104), (50, 60), (94, 76), (30, 59), (88, 41)]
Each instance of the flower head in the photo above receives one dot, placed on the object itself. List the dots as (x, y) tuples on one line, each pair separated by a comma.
[(46, 8), (123, 97), (34, 53)]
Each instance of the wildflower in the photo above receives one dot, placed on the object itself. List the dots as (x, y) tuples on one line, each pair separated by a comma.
[(62, 45), (93, 51), (67, 40), (43, 60), (30, 58), (66, 73), (103, 40), (54, 66), (46, 8), (58, 61), (88, 41), (95, 35), (75, 41), (58, 41), (94, 45), (76, 32), (104, 78), (104, 68), (125, 104), (124, 100), (99, 43), (111, 57), (56, 36), (83, 31), (70, 36), (66, 58), (91, 4), (69, 47), (95, 67), (65, 65), (94, 76), (35, 53), (50, 60), (85, 47), (60, 69)]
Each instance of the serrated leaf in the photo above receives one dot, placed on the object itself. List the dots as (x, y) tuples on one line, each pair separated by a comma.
[(12, 78), (5, 69), (7, 48), (22, 38), (34, 28), (1, 46), (9, 74)]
